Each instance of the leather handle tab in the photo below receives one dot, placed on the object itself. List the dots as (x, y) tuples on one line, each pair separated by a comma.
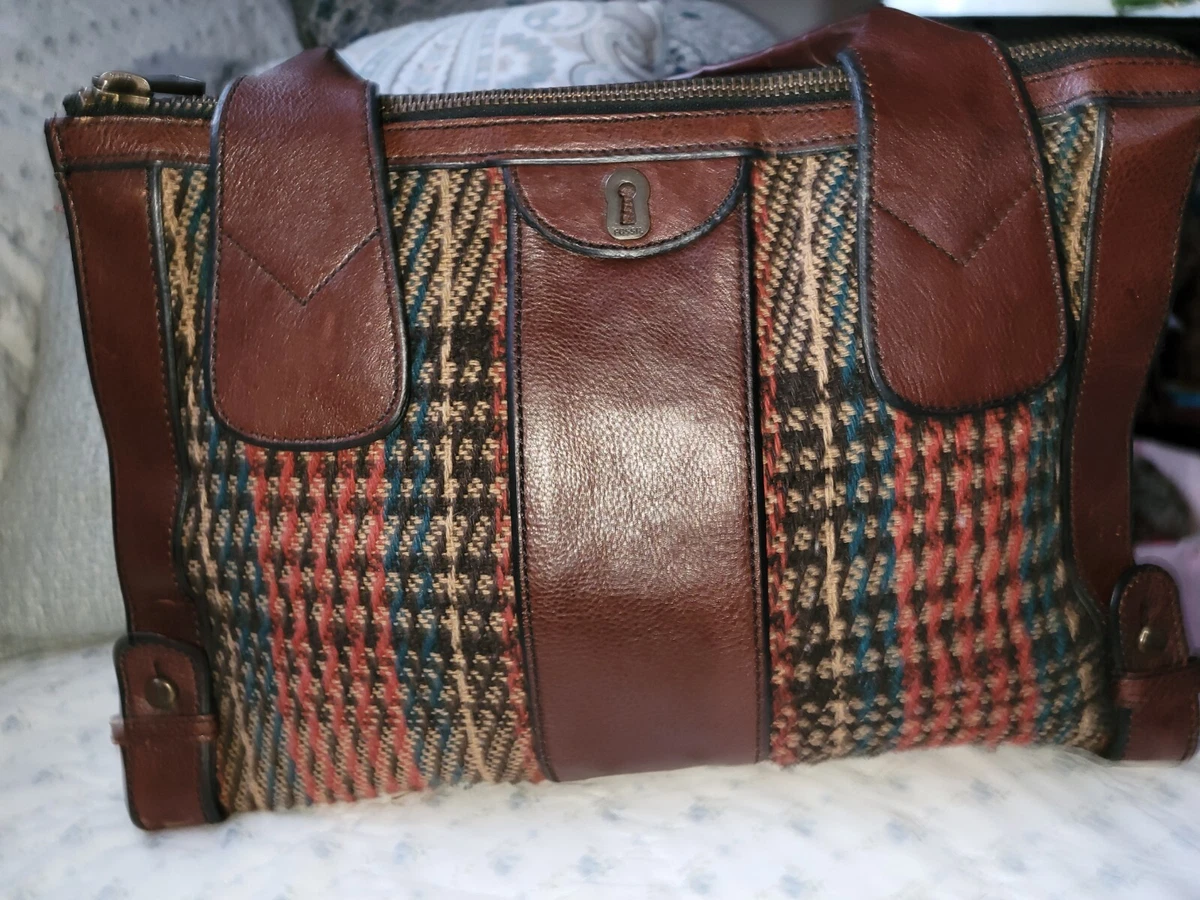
[(959, 270), (166, 732), (1156, 680), (306, 345)]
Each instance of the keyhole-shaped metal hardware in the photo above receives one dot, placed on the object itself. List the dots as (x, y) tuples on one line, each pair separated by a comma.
[(627, 193)]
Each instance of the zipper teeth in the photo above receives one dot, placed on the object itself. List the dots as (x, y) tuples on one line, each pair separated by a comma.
[(780, 85), (1054, 47)]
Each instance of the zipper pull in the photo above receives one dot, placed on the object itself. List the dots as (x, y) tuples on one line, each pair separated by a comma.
[(134, 91)]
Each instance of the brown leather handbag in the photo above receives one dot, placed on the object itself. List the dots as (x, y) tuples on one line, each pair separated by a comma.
[(778, 413)]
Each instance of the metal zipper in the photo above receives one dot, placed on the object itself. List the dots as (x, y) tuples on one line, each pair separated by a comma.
[(133, 91), (1055, 51), (117, 93), (123, 93)]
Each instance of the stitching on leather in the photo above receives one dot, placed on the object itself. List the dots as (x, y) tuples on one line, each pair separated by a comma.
[(388, 127), (397, 378), (303, 301), (1043, 202), (128, 768), (975, 250), (218, 220), (1104, 215), (1093, 295), (866, 167), (873, 347), (97, 383), (675, 241), (133, 605), (1087, 319), (99, 160), (382, 221), (1112, 63)]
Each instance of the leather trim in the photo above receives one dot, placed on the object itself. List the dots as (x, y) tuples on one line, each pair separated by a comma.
[(170, 776), (1149, 158), (306, 343), (109, 215), (1156, 685), (1147, 169), (133, 140), (1158, 715), (642, 621), (511, 140), (530, 213), (129, 733), (1129, 81)]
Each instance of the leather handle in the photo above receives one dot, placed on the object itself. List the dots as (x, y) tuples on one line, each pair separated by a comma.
[(306, 337), (963, 301), (899, 65), (814, 49)]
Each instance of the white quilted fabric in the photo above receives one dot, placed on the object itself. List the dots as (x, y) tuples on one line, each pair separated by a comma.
[(960, 824)]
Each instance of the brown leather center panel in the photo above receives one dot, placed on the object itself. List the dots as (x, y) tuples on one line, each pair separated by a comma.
[(637, 493)]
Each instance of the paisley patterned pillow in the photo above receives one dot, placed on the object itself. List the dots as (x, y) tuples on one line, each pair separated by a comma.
[(555, 43)]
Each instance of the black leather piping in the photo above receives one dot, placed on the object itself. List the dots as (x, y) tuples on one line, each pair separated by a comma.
[(516, 462), (1079, 346)]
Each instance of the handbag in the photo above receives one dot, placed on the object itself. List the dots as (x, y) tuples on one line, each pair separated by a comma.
[(780, 412)]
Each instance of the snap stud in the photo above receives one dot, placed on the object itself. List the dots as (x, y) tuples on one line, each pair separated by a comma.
[(1152, 641), (161, 693)]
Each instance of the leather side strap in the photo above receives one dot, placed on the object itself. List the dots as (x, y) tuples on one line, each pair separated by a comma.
[(1157, 692), (109, 213), (1150, 158), (166, 732), (963, 299), (306, 345)]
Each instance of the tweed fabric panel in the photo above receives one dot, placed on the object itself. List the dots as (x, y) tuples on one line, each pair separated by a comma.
[(1072, 149), (917, 591), (361, 603)]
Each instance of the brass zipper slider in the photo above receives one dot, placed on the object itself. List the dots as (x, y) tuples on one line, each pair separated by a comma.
[(135, 91)]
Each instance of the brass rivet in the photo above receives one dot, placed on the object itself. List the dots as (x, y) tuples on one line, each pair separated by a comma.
[(1152, 641), (161, 693)]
